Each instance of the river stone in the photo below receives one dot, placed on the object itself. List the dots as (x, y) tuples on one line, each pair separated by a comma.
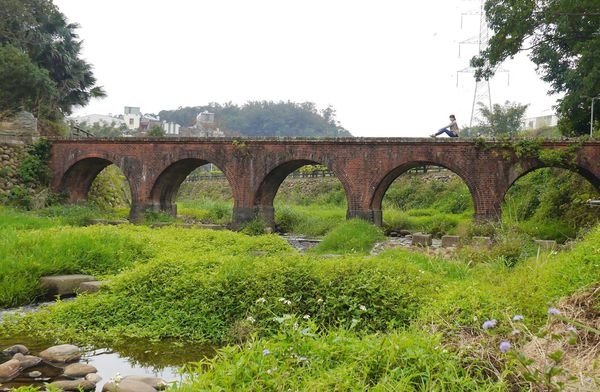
[(17, 348), (34, 374), (93, 377), (9, 370), (61, 353), (27, 361), (127, 386), (73, 385), (155, 382), (63, 284), (79, 370)]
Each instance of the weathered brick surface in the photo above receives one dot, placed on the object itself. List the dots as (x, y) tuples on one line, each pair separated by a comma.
[(366, 167)]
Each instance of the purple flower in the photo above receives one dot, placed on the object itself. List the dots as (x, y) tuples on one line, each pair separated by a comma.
[(518, 317), (489, 324), (553, 311), (504, 346), (266, 351)]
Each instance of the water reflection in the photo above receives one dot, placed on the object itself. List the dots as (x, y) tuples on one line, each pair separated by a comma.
[(159, 359)]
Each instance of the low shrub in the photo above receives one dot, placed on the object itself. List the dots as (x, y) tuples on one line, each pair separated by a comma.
[(300, 358), (353, 236)]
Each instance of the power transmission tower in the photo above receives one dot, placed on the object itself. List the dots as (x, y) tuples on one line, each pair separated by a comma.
[(482, 91)]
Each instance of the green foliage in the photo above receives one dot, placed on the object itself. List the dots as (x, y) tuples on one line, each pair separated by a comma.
[(110, 189), (33, 169), (501, 119), (352, 236), (299, 358), (551, 204), (24, 85), (265, 118), (62, 79), (562, 36), (254, 227), (493, 288), (156, 131), (29, 254)]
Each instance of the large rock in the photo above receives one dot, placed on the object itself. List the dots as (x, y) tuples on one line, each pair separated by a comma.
[(17, 348), (93, 377), (127, 386), (74, 385), (61, 353), (9, 370), (155, 382), (27, 361), (77, 370), (63, 284)]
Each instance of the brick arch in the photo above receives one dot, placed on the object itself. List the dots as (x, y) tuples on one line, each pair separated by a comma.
[(269, 185), (530, 167), (388, 178), (78, 178), (166, 186)]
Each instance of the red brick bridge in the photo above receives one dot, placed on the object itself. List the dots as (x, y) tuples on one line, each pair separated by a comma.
[(255, 168)]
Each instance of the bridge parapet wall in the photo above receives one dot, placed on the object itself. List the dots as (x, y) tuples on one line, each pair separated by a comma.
[(255, 168)]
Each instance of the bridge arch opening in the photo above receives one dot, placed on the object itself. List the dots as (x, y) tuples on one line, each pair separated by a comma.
[(552, 203), (98, 181), (195, 188), (302, 196), (423, 197)]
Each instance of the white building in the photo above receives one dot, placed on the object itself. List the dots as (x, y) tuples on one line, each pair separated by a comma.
[(132, 116), (98, 119), (549, 120), (171, 128)]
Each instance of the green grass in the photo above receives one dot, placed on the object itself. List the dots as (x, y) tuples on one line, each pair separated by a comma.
[(353, 236), (353, 321), (302, 359)]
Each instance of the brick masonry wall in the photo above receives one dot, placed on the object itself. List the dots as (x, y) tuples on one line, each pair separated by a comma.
[(255, 168)]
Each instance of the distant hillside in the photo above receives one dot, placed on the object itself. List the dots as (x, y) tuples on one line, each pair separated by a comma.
[(264, 118)]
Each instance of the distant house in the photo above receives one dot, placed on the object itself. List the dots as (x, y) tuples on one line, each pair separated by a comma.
[(205, 127), (132, 116), (100, 120), (549, 120)]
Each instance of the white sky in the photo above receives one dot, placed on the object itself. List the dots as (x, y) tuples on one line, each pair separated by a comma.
[(388, 67)]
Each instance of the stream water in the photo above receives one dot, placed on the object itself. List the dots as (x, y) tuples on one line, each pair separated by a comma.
[(164, 359)]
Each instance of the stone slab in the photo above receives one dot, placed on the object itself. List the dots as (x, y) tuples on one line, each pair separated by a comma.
[(420, 239), (449, 241), (63, 284)]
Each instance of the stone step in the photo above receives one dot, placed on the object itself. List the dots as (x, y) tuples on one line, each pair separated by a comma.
[(63, 284)]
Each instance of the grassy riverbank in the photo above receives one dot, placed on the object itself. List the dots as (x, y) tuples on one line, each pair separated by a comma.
[(336, 316)]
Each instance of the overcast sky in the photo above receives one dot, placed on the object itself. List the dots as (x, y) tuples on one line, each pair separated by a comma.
[(388, 67)]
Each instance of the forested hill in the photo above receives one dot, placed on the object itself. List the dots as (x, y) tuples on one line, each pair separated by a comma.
[(264, 118)]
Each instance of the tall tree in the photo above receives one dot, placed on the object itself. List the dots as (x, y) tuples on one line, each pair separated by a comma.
[(563, 40), (42, 32), (502, 119)]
